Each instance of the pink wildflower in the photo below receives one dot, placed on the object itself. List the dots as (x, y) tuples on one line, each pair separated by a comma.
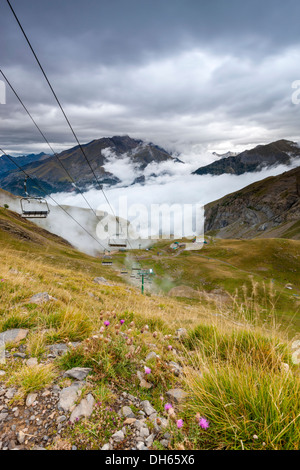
[(168, 406), (179, 423), (122, 321), (106, 323), (147, 370), (203, 423), (170, 347)]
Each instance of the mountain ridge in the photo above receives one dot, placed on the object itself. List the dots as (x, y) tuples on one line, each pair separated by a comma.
[(269, 208), (53, 177), (275, 153)]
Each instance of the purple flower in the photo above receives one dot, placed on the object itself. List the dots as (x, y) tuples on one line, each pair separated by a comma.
[(170, 347), (179, 423), (147, 370), (122, 321), (203, 423), (168, 406), (106, 323)]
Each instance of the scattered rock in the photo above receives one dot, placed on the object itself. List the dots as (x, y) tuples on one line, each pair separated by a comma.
[(20, 437), (78, 373), (118, 436), (10, 393), (100, 280), (13, 336), (32, 361), (141, 446), (31, 398), (177, 395), (84, 409), (129, 421), (41, 298), (68, 396), (147, 407), (106, 447), (127, 412)]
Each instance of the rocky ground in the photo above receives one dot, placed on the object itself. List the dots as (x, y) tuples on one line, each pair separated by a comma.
[(41, 419)]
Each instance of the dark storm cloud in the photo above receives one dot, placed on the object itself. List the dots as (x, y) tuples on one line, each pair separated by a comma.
[(178, 72)]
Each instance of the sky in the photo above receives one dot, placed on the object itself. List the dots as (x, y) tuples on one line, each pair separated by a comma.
[(193, 76)]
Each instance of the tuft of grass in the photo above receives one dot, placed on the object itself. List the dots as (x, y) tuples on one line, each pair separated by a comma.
[(248, 408), (36, 344), (31, 379)]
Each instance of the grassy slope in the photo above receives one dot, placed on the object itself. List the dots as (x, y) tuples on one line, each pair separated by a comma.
[(233, 264), (231, 357)]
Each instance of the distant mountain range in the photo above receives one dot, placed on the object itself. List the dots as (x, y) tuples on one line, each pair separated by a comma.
[(262, 156), (269, 208), (47, 170), (50, 174), (6, 165)]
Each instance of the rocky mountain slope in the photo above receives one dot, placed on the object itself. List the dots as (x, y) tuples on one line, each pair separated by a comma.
[(53, 178), (275, 153), (267, 208)]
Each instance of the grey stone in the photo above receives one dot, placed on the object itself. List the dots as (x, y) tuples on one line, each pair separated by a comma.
[(3, 416), (31, 397), (141, 446), (127, 412), (177, 395), (144, 432), (118, 436), (41, 298), (19, 354), (149, 441), (84, 409), (147, 407), (13, 336), (20, 437), (10, 393), (68, 396), (78, 373), (106, 447), (32, 361), (58, 349), (138, 424)]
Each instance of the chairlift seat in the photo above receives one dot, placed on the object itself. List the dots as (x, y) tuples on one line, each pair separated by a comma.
[(34, 212)]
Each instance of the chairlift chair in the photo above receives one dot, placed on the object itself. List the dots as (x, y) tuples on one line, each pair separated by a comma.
[(117, 243), (33, 207)]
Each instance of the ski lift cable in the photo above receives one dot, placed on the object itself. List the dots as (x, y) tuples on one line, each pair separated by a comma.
[(46, 140), (46, 194), (64, 114)]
